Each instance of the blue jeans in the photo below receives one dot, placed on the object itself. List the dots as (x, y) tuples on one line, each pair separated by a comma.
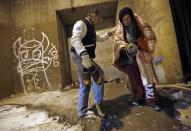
[(98, 90)]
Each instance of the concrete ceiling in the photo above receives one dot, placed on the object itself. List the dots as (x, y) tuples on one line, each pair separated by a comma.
[(107, 10)]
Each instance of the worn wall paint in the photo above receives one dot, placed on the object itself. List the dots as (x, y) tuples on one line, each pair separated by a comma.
[(6, 57)]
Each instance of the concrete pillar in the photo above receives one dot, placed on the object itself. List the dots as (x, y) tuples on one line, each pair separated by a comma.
[(160, 17), (6, 57)]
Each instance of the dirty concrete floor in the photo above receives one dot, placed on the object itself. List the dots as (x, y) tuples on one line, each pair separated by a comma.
[(121, 114), (13, 117)]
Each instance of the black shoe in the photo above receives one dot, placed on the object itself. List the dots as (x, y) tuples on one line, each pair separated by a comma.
[(99, 110), (137, 102), (157, 107)]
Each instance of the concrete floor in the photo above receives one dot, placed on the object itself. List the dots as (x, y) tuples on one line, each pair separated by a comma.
[(61, 112)]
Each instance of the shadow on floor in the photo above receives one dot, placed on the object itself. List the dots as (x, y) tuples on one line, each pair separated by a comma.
[(120, 107), (115, 109)]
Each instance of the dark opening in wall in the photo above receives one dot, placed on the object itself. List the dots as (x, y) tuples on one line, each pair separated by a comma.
[(182, 22)]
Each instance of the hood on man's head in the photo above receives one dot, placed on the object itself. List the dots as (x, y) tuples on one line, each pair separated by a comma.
[(126, 11)]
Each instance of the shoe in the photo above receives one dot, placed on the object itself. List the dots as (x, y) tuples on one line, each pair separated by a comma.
[(135, 103), (157, 107), (99, 110), (88, 114)]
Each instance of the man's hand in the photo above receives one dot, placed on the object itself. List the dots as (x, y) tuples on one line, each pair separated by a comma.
[(132, 48), (86, 61), (112, 31)]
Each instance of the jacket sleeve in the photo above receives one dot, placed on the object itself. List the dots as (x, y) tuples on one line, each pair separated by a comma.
[(78, 33), (118, 41), (102, 38), (106, 36), (147, 32)]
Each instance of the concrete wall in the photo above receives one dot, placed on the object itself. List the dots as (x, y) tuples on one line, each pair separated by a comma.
[(6, 57), (158, 14), (32, 18), (36, 49)]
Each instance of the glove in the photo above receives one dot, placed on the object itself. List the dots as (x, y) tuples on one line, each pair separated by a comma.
[(112, 31), (132, 48), (123, 51), (86, 61)]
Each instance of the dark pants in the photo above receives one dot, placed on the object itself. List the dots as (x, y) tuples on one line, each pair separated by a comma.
[(134, 75), (151, 96)]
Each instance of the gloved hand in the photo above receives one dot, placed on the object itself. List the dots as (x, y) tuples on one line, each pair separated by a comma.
[(132, 48), (123, 51), (86, 61), (112, 31)]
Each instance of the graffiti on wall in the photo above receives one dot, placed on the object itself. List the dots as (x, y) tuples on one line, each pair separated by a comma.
[(34, 58)]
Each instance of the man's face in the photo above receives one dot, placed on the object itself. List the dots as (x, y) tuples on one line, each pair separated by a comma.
[(126, 20), (95, 19)]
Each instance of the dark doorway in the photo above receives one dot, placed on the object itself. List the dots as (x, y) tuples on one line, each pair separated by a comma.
[(64, 53), (182, 22)]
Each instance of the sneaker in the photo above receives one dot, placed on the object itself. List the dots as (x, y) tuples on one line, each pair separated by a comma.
[(88, 114), (135, 103), (157, 108)]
